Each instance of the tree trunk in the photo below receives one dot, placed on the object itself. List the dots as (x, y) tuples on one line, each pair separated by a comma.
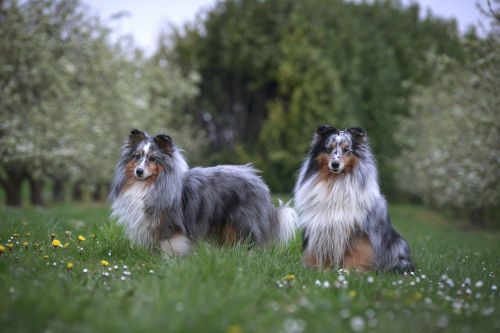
[(477, 217), (77, 194), (107, 189), (36, 186), (58, 191), (97, 194), (12, 187)]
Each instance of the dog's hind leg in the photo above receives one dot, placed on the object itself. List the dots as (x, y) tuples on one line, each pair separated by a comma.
[(177, 244)]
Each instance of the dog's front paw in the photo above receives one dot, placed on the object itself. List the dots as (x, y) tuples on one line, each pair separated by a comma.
[(403, 265)]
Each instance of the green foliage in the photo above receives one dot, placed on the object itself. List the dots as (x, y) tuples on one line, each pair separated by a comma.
[(35, 67), (353, 67), (451, 143), (452, 139), (70, 96), (169, 93), (272, 71), (236, 289)]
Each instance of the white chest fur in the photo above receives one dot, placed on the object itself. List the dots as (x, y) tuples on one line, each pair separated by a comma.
[(129, 211), (331, 211)]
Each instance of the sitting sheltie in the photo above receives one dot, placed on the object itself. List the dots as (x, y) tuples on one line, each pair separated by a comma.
[(163, 203), (343, 214)]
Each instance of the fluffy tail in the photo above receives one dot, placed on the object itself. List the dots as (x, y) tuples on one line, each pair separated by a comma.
[(286, 220)]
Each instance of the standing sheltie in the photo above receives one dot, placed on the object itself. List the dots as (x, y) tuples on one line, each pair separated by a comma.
[(163, 203), (343, 214)]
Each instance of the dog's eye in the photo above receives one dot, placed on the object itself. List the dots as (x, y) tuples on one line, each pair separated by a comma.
[(346, 150), (151, 158), (137, 156)]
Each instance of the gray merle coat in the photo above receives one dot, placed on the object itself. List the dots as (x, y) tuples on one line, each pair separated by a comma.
[(163, 203), (341, 210)]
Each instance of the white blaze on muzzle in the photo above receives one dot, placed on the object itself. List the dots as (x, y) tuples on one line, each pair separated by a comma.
[(141, 171), (336, 164)]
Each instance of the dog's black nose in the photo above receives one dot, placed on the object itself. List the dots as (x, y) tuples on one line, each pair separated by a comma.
[(335, 164), (139, 171)]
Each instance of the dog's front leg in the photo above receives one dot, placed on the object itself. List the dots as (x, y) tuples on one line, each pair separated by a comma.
[(392, 252)]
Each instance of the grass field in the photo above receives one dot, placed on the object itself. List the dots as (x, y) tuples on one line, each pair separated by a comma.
[(234, 289)]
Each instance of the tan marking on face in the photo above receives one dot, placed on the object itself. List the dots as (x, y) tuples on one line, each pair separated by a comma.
[(129, 175), (155, 169), (359, 255), (344, 145), (325, 174), (349, 162), (152, 167)]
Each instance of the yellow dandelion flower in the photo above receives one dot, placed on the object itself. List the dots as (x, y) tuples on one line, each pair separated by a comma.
[(36, 244), (52, 236), (352, 293), (65, 245), (416, 297), (25, 245), (81, 238), (93, 235), (40, 250), (104, 263), (45, 257), (56, 243), (28, 234), (16, 235), (69, 265), (2, 249), (10, 246), (234, 329), (67, 232), (289, 277), (25, 223)]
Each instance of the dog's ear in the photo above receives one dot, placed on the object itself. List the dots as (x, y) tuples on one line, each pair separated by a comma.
[(357, 132), (135, 137), (325, 130), (164, 142)]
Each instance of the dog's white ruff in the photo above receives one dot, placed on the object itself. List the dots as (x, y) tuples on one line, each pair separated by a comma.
[(128, 208), (331, 210)]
